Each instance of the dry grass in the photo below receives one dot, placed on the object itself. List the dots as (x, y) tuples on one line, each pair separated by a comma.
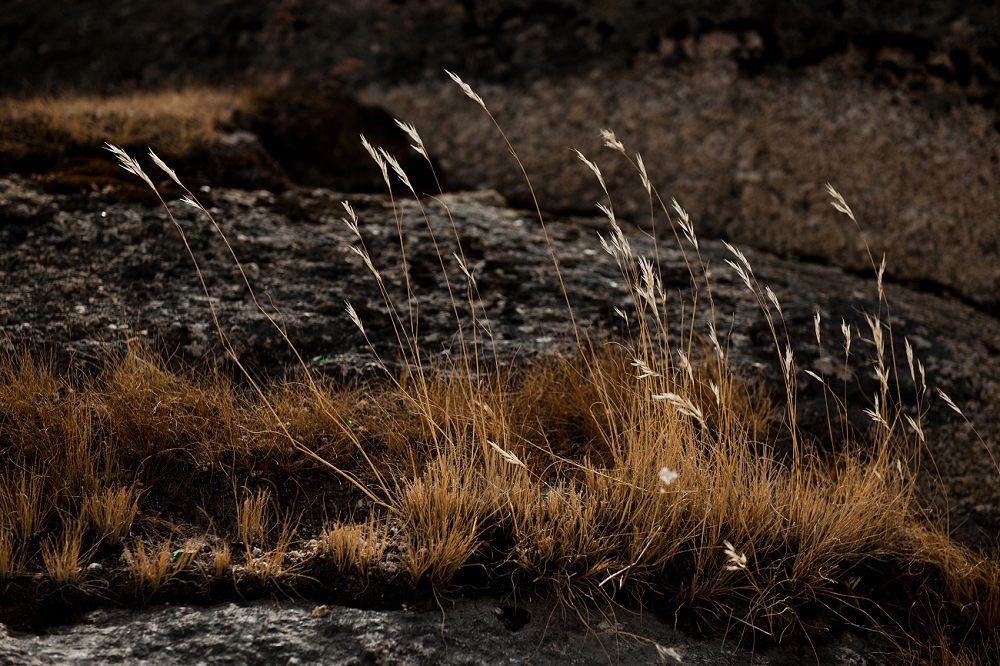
[(253, 518), (271, 566), (222, 560), (153, 566), (173, 120), (23, 506), (356, 547), (641, 472), (9, 564), (579, 510), (111, 511), (62, 554)]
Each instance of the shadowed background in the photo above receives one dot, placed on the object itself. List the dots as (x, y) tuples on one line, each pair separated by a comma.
[(741, 110)]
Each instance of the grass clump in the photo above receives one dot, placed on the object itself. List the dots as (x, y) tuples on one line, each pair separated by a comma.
[(355, 547), (642, 471), (153, 565)]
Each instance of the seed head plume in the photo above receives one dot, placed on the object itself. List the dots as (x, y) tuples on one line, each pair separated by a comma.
[(129, 163), (411, 131), (466, 88), (611, 141)]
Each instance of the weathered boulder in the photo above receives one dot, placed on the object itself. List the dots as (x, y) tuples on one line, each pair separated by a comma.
[(311, 127), (748, 155)]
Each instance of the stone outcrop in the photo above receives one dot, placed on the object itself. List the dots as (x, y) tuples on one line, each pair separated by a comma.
[(748, 156)]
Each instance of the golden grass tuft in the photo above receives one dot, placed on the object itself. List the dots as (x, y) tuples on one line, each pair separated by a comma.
[(357, 547), (156, 416), (62, 554), (253, 518), (222, 560), (23, 505), (111, 511), (9, 564), (154, 565), (441, 513)]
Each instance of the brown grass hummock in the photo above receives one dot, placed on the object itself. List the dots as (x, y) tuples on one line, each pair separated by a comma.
[(564, 476)]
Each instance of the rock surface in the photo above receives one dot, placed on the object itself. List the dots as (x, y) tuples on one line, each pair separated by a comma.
[(749, 156), (463, 632), (741, 110)]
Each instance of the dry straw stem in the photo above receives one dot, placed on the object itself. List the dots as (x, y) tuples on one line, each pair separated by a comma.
[(130, 165), (467, 89)]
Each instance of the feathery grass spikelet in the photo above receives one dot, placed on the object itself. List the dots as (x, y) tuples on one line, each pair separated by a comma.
[(160, 163), (352, 313), (611, 141), (666, 477), (505, 454), (682, 405), (378, 158), (948, 401), (128, 163), (467, 89), (411, 131), (839, 203), (736, 559)]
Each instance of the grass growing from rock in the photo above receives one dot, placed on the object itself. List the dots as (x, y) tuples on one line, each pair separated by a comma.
[(642, 470)]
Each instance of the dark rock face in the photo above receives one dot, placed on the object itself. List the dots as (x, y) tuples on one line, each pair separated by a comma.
[(464, 632), (741, 109), (312, 129), (81, 44)]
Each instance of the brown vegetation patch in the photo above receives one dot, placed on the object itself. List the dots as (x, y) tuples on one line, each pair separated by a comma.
[(643, 472)]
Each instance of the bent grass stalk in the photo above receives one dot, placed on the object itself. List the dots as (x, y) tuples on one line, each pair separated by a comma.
[(130, 165)]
